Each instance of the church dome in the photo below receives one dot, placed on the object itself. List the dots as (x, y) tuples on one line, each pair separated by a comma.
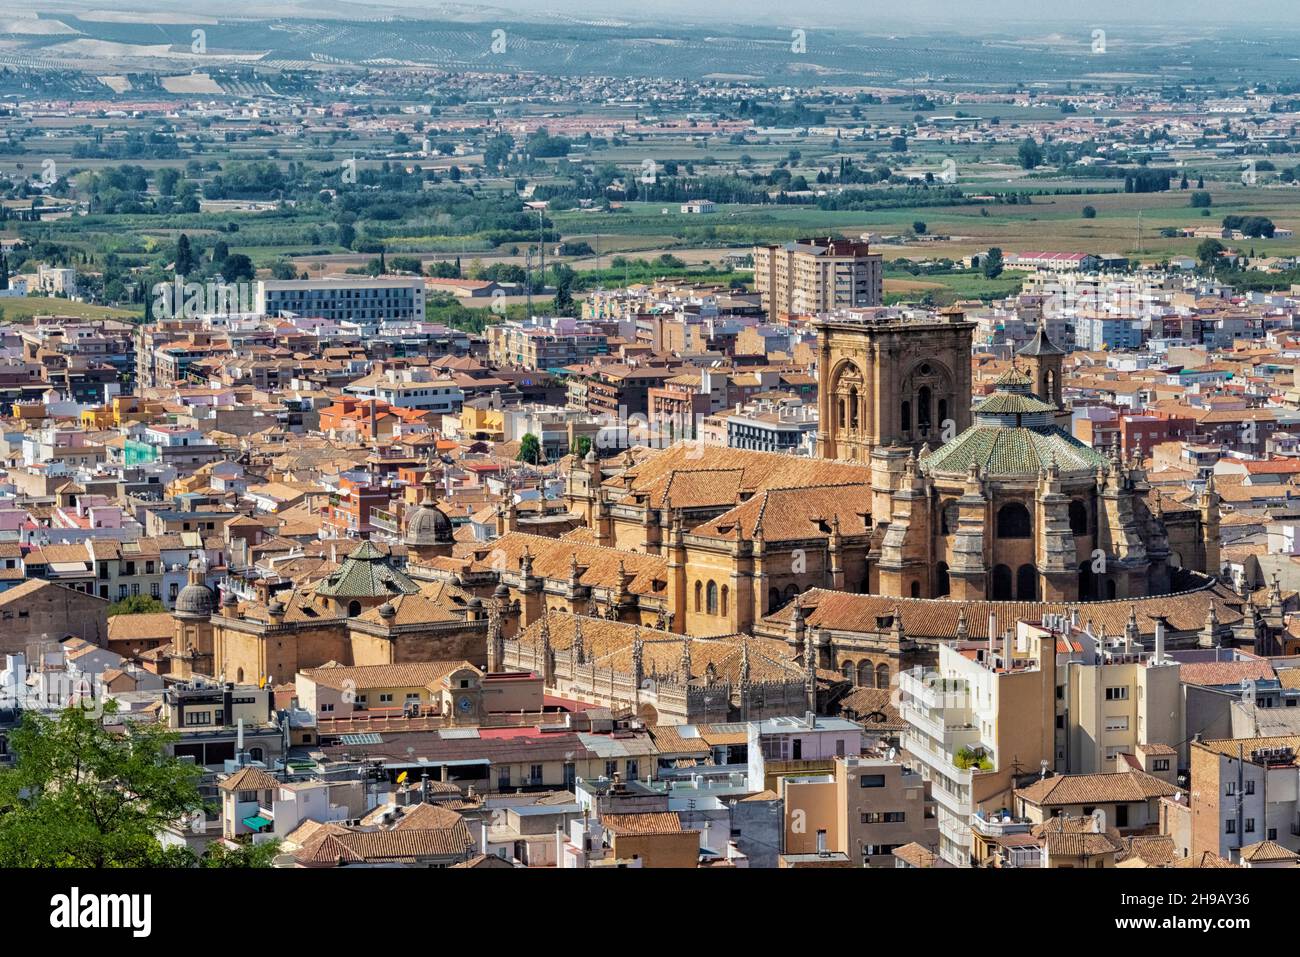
[(195, 600), (427, 525)]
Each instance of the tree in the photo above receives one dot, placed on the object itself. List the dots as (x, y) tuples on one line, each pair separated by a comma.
[(1030, 153), (1200, 200), (246, 855), (993, 263), (185, 262), (530, 450), (581, 446), (1208, 252), (84, 795), (1090, 212), (237, 268), (919, 227), (136, 605)]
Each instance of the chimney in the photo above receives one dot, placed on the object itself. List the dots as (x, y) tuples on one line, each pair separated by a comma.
[(1160, 641), (993, 638), (1007, 652)]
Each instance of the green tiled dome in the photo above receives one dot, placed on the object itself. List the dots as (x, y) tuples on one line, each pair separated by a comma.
[(1013, 403), (1003, 450)]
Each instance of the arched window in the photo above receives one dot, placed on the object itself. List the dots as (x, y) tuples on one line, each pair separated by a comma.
[(1001, 583), (1027, 583), (949, 517), (1087, 581), (699, 590), (906, 416), (773, 598), (882, 676), (726, 594), (354, 609), (1110, 588), (711, 598), (1014, 521), (791, 591), (843, 417), (923, 409), (942, 584), (846, 669), (1050, 382), (943, 412), (853, 407), (1078, 517), (239, 676), (916, 589), (866, 675)]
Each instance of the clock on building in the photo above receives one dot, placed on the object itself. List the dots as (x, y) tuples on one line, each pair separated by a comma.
[(465, 704)]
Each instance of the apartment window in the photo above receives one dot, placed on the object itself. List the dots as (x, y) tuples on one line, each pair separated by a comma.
[(1272, 834), (872, 781), (1117, 723), (1250, 787), (631, 771), (326, 708), (1250, 825), (1232, 788), (1117, 694), (1231, 827), (535, 773), (1160, 764), (884, 817), (385, 699)]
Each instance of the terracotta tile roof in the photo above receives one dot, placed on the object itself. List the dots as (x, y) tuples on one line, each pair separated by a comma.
[(147, 626), (916, 855), (1116, 786), (1212, 673), (1074, 837), (760, 470), (1207, 859), (249, 779), (1156, 850), (669, 741), (847, 612), (650, 822), (795, 514), (1268, 851), (609, 644), (552, 556), (414, 675)]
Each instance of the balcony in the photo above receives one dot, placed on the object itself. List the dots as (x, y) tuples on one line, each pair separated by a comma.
[(933, 692), (922, 719)]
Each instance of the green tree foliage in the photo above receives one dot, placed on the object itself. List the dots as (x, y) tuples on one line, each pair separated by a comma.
[(1030, 153), (83, 795), (136, 605), (1208, 252), (530, 450), (993, 263)]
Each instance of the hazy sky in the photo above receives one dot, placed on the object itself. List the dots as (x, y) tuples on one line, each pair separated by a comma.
[(914, 16)]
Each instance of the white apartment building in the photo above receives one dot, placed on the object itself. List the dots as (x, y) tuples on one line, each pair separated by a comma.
[(978, 724)]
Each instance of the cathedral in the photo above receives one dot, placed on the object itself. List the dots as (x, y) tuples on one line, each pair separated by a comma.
[(929, 496), (931, 518)]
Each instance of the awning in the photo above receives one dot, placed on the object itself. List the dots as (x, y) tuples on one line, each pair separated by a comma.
[(256, 822)]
